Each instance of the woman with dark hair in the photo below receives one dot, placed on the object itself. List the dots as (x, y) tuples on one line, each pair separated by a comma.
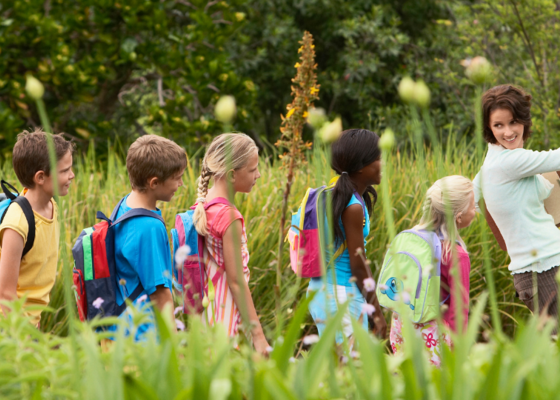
[(514, 191), (356, 157)]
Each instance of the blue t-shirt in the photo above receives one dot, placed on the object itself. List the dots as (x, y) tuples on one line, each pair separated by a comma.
[(342, 263), (143, 256)]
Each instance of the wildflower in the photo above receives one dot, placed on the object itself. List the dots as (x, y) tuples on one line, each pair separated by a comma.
[(180, 325), (177, 310), (354, 354), (330, 132), (292, 360), (387, 140), (181, 255), (225, 109), (269, 349), (406, 89), (383, 287), (316, 117), (359, 251), (142, 299), (406, 298), (122, 282), (310, 339), (421, 94), (34, 88), (368, 309), (369, 284), (478, 69), (97, 302)]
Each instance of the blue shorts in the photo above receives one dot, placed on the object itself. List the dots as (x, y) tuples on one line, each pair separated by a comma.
[(324, 305)]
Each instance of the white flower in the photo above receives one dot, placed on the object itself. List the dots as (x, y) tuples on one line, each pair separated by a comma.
[(316, 117), (331, 131), (97, 302), (177, 310), (180, 325), (367, 309), (406, 89), (269, 349), (34, 88), (406, 297), (421, 94), (310, 339), (387, 140), (369, 284), (181, 255), (292, 360), (141, 299), (225, 109), (478, 69)]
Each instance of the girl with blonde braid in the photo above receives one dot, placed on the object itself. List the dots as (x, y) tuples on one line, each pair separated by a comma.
[(449, 196), (232, 162)]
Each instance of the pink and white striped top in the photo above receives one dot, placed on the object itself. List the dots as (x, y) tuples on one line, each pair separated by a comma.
[(222, 309)]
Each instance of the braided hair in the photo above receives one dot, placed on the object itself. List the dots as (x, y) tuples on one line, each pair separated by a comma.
[(228, 151)]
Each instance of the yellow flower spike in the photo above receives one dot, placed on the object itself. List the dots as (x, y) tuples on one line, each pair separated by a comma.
[(291, 112), (297, 65)]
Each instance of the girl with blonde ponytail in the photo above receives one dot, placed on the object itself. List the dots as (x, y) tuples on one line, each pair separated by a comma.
[(448, 207), (231, 161)]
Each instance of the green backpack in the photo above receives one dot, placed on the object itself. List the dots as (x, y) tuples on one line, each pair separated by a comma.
[(411, 272)]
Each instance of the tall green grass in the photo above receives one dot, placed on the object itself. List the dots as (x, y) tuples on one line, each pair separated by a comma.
[(203, 363), (100, 185)]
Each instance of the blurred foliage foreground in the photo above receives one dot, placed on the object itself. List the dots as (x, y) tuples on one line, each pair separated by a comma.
[(203, 363)]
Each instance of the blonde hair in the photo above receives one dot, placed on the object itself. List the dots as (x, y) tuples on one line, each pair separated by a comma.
[(153, 156), (228, 151), (447, 195)]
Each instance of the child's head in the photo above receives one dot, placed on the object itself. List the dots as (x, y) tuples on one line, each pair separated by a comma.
[(452, 196), (32, 165), (156, 165), (231, 156), (357, 158), (506, 115)]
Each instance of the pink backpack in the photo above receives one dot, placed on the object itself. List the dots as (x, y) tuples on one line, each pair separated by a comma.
[(188, 278)]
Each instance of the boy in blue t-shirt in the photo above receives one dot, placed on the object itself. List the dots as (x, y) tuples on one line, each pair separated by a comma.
[(155, 168)]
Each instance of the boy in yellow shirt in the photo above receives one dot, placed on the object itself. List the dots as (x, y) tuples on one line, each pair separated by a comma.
[(34, 273)]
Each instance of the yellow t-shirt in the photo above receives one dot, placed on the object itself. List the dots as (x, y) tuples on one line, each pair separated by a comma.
[(37, 271)]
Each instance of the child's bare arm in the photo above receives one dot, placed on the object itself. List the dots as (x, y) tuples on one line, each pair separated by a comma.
[(162, 297), (12, 249), (353, 221), (238, 286)]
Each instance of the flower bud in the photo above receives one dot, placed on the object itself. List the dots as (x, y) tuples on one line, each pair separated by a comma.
[(34, 88), (331, 131), (387, 140), (225, 109), (421, 94), (406, 89), (205, 302), (316, 117), (479, 70), (211, 296)]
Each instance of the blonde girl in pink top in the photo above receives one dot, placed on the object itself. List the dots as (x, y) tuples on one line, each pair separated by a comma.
[(456, 194), (232, 162)]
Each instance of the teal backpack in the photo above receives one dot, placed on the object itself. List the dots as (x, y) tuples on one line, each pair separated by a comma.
[(412, 265)]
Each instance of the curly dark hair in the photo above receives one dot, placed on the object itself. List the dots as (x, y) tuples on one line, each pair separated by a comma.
[(510, 98)]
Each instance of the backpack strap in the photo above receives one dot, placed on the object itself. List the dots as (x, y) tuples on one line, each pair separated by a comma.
[(116, 210), (132, 298), (27, 211)]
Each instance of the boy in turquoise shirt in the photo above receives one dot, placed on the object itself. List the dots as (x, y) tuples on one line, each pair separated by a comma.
[(155, 167)]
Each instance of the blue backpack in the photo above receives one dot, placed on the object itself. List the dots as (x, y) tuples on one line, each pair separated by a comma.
[(188, 278), (95, 271), (11, 196)]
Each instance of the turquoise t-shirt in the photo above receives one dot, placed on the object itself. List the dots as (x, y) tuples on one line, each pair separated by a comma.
[(342, 263), (143, 256)]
